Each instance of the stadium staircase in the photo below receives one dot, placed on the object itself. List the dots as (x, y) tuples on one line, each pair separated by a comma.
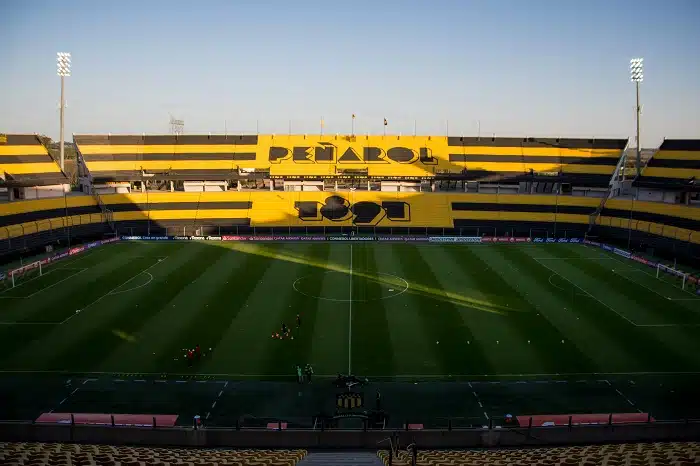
[(109, 217), (594, 216), (341, 459), (612, 184)]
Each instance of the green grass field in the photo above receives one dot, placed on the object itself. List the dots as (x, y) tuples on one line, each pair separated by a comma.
[(391, 312)]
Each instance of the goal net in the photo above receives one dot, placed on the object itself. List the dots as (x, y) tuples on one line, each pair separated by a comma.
[(682, 276), (21, 275)]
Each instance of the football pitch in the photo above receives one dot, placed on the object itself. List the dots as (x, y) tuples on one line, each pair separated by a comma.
[(451, 317)]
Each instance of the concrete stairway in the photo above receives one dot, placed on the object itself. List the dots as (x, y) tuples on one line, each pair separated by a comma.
[(341, 458)]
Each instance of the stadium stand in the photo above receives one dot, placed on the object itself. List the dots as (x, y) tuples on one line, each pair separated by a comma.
[(34, 223), (162, 184), (59, 454), (674, 453), (25, 165), (673, 221), (584, 162), (127, 158), (674, 167), (110, 158)]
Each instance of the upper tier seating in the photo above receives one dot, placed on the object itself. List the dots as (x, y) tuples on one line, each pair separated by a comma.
[(582, 162), (25, 161), (676, 165)]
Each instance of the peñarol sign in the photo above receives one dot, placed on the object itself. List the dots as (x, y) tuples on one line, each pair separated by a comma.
[(328, 153)]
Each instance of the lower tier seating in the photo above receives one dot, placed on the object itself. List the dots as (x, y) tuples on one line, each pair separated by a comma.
[(60, 454), (632, 454)]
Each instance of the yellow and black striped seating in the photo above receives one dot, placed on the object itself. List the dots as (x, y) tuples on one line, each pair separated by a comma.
[(582, 162), (481, 214), (676, 165), (25, 161), (175, 157)]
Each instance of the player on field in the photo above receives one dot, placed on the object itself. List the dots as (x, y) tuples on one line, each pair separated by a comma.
[(198, 352), (284, 329), (308, 371), (190, 357), (298, 320), (300, 377)]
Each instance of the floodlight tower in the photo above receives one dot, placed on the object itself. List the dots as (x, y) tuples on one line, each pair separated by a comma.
[(637, 76), (63, 63)]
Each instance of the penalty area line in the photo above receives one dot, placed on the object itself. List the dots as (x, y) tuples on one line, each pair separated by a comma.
[(113, 290), (58, 282)]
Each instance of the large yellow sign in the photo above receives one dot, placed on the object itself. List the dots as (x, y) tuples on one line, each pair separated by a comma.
[(327, 156)]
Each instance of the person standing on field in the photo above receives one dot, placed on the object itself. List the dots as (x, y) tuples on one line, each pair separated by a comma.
[(309, 372), (300, 377)]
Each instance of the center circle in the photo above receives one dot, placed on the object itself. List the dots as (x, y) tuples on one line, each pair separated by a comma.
[(335, 286)]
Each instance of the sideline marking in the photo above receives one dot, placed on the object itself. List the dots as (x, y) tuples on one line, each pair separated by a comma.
[(605, 255), (379, 377), (110, 292), (60, 281), (611, 308)]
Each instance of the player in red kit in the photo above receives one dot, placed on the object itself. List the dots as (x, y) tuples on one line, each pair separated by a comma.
[(198, 352), (190, 357)]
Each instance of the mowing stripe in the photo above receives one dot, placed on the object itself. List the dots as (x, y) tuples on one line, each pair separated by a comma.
[(638, 269), (589, 295), (58, 282), (114, 289)]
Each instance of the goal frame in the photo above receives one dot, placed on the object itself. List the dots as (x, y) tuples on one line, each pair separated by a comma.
[(24, 269), (670, 270)]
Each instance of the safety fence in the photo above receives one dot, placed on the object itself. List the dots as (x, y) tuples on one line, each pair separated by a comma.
[(361, 438)]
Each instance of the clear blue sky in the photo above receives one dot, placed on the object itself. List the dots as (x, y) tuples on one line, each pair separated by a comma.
[(535, 67)]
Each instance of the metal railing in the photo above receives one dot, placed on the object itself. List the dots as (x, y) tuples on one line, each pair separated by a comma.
[(370, 439), (109, 216)]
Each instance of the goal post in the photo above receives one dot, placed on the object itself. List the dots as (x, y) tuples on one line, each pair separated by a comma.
[(670, 270), (25, 273)]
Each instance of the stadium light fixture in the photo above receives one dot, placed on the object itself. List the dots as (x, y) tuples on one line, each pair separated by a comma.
[(637, 77), (63, 70)]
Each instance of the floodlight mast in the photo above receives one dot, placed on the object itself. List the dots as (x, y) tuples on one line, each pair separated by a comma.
[(637, 76), (63, 69)]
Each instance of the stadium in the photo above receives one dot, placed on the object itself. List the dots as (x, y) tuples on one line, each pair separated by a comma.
[(256, 298), (445, 283)]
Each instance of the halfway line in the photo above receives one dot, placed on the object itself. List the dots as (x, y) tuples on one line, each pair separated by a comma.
[(350, 318)]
